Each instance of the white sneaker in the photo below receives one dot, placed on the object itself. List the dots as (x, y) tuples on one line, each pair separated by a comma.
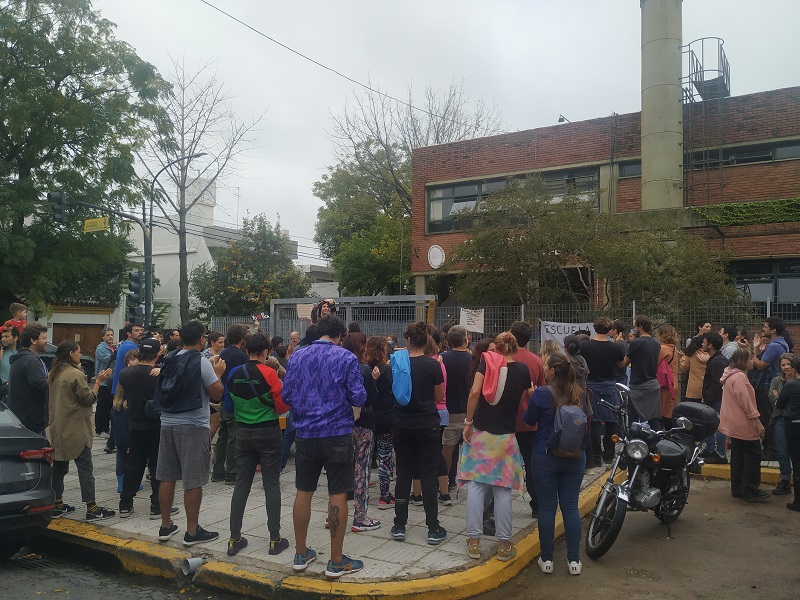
[(575, 567), (546, 566)]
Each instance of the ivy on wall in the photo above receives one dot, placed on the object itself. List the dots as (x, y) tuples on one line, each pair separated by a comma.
[(750, 213)]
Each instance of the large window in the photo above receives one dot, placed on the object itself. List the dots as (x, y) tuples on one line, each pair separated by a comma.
[(743, 155), (444, 202), (773, 281)]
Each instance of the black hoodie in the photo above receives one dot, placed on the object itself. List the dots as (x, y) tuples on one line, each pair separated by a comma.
[(28, 391)]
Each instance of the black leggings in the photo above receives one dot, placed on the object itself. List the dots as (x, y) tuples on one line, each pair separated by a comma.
[(607, 451), (415, 451)]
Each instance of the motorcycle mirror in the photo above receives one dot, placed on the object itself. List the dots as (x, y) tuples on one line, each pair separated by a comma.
[(685, 423), (621, 387)]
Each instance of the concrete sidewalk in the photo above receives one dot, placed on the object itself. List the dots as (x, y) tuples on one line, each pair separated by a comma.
[(385, 560), (398, 569)]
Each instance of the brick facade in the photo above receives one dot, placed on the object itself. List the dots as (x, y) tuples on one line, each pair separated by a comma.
[(751, 119)]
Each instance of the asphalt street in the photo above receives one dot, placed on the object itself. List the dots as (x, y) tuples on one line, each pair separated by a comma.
[(721, 548)]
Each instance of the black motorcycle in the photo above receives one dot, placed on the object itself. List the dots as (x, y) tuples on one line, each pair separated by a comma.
[(658, 465)]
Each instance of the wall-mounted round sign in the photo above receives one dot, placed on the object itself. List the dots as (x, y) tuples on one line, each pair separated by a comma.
[(435, 256)]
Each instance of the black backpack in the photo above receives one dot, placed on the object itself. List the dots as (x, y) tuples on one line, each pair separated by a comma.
[(178, 388)]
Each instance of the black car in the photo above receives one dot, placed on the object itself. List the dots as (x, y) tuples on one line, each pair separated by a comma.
[(87, 362), (26, 488)]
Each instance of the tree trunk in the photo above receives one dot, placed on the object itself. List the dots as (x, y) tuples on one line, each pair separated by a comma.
[(183, 266)]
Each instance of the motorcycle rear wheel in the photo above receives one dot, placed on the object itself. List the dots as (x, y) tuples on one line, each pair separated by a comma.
[(603, 530), (670, 508)]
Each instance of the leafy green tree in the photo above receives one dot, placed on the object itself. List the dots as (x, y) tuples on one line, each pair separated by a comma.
[(75, 103), (372, 180), (248, 274), (377, 261), (527, 247)]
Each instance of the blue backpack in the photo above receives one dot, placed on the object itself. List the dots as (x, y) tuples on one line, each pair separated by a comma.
[(568, 439), (401, 377)]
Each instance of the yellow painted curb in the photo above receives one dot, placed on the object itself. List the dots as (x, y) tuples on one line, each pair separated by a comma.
[(466, 583), (768, 474), (135, 556)]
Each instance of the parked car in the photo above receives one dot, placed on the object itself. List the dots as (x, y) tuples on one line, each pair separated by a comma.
[(87, 362), (26, 483)]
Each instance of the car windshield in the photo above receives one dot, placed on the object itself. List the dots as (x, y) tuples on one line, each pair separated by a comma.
[(6, 416)]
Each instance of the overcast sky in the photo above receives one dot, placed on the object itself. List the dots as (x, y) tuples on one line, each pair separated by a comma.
[(533, 59)]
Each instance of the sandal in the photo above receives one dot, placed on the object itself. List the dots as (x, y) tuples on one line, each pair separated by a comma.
[(474, 548)]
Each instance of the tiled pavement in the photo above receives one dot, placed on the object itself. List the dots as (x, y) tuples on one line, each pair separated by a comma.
[(384, 558)]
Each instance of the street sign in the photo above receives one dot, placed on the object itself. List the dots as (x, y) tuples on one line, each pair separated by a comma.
[(100, 224)]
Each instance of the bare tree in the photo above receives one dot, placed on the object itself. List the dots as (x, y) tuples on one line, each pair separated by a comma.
[(208, 136), (379, 133)]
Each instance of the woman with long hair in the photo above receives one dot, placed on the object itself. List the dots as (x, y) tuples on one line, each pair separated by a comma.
[(670, 353), (490, 459), (377, 356), (572, 350), (417, 442), (363, 433), (558, 479), (548, 347), (694, 363), (779, 422), (788, 402), (70, 430)]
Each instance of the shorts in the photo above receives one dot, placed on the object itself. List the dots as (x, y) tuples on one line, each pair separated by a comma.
[(334, 453), (184, 454), (454, 430)]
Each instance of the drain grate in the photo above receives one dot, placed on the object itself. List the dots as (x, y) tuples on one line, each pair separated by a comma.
[(31, 561)]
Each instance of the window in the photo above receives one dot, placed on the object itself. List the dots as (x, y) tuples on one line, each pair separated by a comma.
[(631, 169), (777, 282), (447, 201), (743, 155), (790, 151)]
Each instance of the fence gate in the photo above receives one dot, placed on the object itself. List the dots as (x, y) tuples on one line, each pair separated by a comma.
[(376, 315)]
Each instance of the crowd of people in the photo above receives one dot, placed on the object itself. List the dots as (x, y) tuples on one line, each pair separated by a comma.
[(439, 414)]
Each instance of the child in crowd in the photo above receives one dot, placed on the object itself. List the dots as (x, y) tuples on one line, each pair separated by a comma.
[(19, 316)]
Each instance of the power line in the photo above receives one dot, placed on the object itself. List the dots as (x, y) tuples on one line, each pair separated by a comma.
[(331, 69)]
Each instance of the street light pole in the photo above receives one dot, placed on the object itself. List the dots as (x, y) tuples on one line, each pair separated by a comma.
[(148, 242)]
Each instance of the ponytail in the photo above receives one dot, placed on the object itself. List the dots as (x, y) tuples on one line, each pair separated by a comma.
[(566, 390), (416, 334)]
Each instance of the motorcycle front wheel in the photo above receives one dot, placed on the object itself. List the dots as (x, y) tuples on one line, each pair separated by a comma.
[(604, 529)]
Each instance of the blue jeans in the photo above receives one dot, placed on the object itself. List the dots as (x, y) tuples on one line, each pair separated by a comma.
[(558, 482), (288, 439), (716, 443), (782, 448)]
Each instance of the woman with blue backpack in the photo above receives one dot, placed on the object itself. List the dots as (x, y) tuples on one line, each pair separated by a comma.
[(417, 384), (558, 458)]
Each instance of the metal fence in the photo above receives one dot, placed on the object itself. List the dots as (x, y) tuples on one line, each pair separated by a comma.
[(385, 315)]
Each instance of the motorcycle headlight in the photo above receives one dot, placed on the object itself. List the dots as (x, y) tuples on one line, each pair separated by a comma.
[(637, 449)]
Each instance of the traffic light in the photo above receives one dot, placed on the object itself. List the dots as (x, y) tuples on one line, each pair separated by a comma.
[(59, 200), (135, 283), (136, 314)]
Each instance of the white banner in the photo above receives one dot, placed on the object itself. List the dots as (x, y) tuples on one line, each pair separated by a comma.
[(558, 331), (472, 320), (304, 311)]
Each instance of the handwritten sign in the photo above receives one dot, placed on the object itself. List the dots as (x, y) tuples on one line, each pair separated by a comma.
[(472, 320), (304, 311), (552, 330)]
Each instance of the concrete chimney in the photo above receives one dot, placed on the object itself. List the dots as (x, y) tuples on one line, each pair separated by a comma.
[(662, 104)]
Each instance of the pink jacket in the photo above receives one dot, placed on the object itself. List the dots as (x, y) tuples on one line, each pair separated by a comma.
[(738, 416)]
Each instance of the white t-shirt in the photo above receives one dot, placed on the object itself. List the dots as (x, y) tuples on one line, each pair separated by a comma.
[(200, 416)]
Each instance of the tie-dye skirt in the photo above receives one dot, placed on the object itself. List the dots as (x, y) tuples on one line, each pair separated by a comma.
[(491, 459)]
